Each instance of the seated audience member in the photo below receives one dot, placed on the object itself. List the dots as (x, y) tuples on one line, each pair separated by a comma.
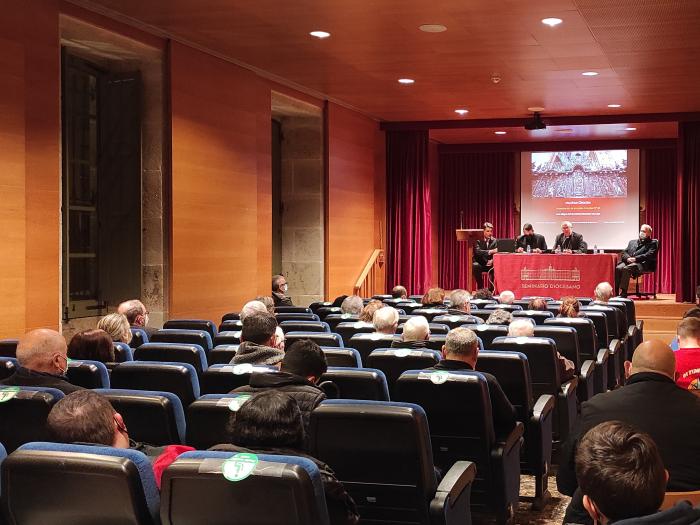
[(461, 352), (623, 480), (271, 423), (367, 313), (603, 293), (137, 315), (483, 293), (88, 418), (523, 327), (269, 303), (434, 298), (506, 297), (117, 326), (338, 301), (43, 361), (688, 355), (253, 307), (93, 345), (500, 316), (302, 367), (279, 291), (570, 307), (352, 305), (415, 334), (259, 344), (399, 292), (386, 320), (652, 403), (693, 312), (538, 303), (459, 303)]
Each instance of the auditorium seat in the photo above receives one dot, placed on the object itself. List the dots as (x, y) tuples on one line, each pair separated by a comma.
[(391, 476), (541, 353), (3, 455), (222, 354), (231, 316), (305, 316), (152, 417), (512, 370), (488, 332), (393, 301), (231, 325), (178, 378), (538, 316), (280, 489), (416, 298), (435, 328), (304, 326), (192, 324), (292, 310), (138, 337), (173, 353), (208, 418), (342, 357), (630, 308), (8, 347), (88, 374), (347, 329), (227, 338), (327, 310), (585, 301), (436, 341), (320, 338), (480, 303), (408, 306), (365, 343), (464, 431), (23, 417), (185, 337), (319, 304), (395, 361), (8, 365), (79, 484), (221, 379), (600, 321), (455, 321), (481, 313), (358, 383), (334, 320), (509, 307), (122, 352), (610, 317), (429, 313)]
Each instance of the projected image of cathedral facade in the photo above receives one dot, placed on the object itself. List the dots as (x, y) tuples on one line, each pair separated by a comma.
[(580, 174)]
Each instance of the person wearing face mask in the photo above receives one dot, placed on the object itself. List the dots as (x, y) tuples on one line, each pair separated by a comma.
[(137, 315), (279, 291), (529, 238), (43, 361), (640, 256)]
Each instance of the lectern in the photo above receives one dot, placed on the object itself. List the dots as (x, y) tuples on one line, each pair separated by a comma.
[(470, 236)]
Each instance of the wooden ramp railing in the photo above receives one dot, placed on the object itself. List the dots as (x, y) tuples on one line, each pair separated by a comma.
[(372, 278)]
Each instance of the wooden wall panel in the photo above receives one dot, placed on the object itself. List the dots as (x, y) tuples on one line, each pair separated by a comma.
[(218, 118), (353, 144)]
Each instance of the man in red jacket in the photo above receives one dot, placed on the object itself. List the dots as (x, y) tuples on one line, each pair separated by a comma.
[(688, 355)]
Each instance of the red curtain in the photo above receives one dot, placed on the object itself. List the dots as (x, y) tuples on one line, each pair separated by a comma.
[(660, 168), (481, 186), (687, 255), (409, 255)]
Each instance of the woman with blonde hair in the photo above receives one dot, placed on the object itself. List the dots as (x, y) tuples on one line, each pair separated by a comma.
[(117, 326)]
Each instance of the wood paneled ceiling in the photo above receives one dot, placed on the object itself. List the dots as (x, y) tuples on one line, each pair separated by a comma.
[(645, 51)]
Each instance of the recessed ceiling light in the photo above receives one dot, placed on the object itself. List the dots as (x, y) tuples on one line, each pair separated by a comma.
[(462, 111), (320, 34), (500, 132), (432, 28), (590, 73), (535, 109), (406, 81), (630, 129), (551, 22)]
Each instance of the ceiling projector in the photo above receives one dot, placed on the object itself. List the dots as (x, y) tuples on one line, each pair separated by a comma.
[(535, 122)]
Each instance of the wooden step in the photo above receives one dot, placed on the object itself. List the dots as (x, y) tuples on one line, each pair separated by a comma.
[(658, 323), (666, 337)]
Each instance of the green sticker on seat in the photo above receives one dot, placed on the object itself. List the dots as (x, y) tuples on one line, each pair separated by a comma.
[(439, 377), (239, 467), (236, 402), (8, 393)]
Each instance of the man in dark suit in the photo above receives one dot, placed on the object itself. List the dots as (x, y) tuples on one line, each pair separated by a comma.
[(652, 403), (568, 241), (483, 254), (640, 256), (529, 238)]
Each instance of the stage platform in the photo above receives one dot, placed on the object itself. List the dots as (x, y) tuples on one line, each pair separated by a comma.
[(661, 316)]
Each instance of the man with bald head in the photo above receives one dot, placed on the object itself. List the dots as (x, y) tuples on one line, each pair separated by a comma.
[(652, 403), (43, 361), (137, 315)]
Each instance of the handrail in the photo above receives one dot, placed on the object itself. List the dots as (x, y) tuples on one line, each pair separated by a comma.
[(364, 286)]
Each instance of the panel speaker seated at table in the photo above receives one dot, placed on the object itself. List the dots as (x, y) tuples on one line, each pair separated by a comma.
[(568, 241), (529, 238)]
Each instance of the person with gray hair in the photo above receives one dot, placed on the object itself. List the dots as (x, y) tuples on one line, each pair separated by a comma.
[(43, 361), (568, 241), (252, 307), (500, 316), (352, 304), (459, 302), (415, 334), (603, 293), (525, 327), (137, 315), (461, 352), (279, 291), (506, 297), (639, 256), (386, 320), (268, 301)]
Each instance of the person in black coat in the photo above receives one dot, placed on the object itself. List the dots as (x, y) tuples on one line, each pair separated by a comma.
[(483, 254), (652, 403), (568, 241), (529, 238), (270, 423), (640, 256), (279, 291)]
